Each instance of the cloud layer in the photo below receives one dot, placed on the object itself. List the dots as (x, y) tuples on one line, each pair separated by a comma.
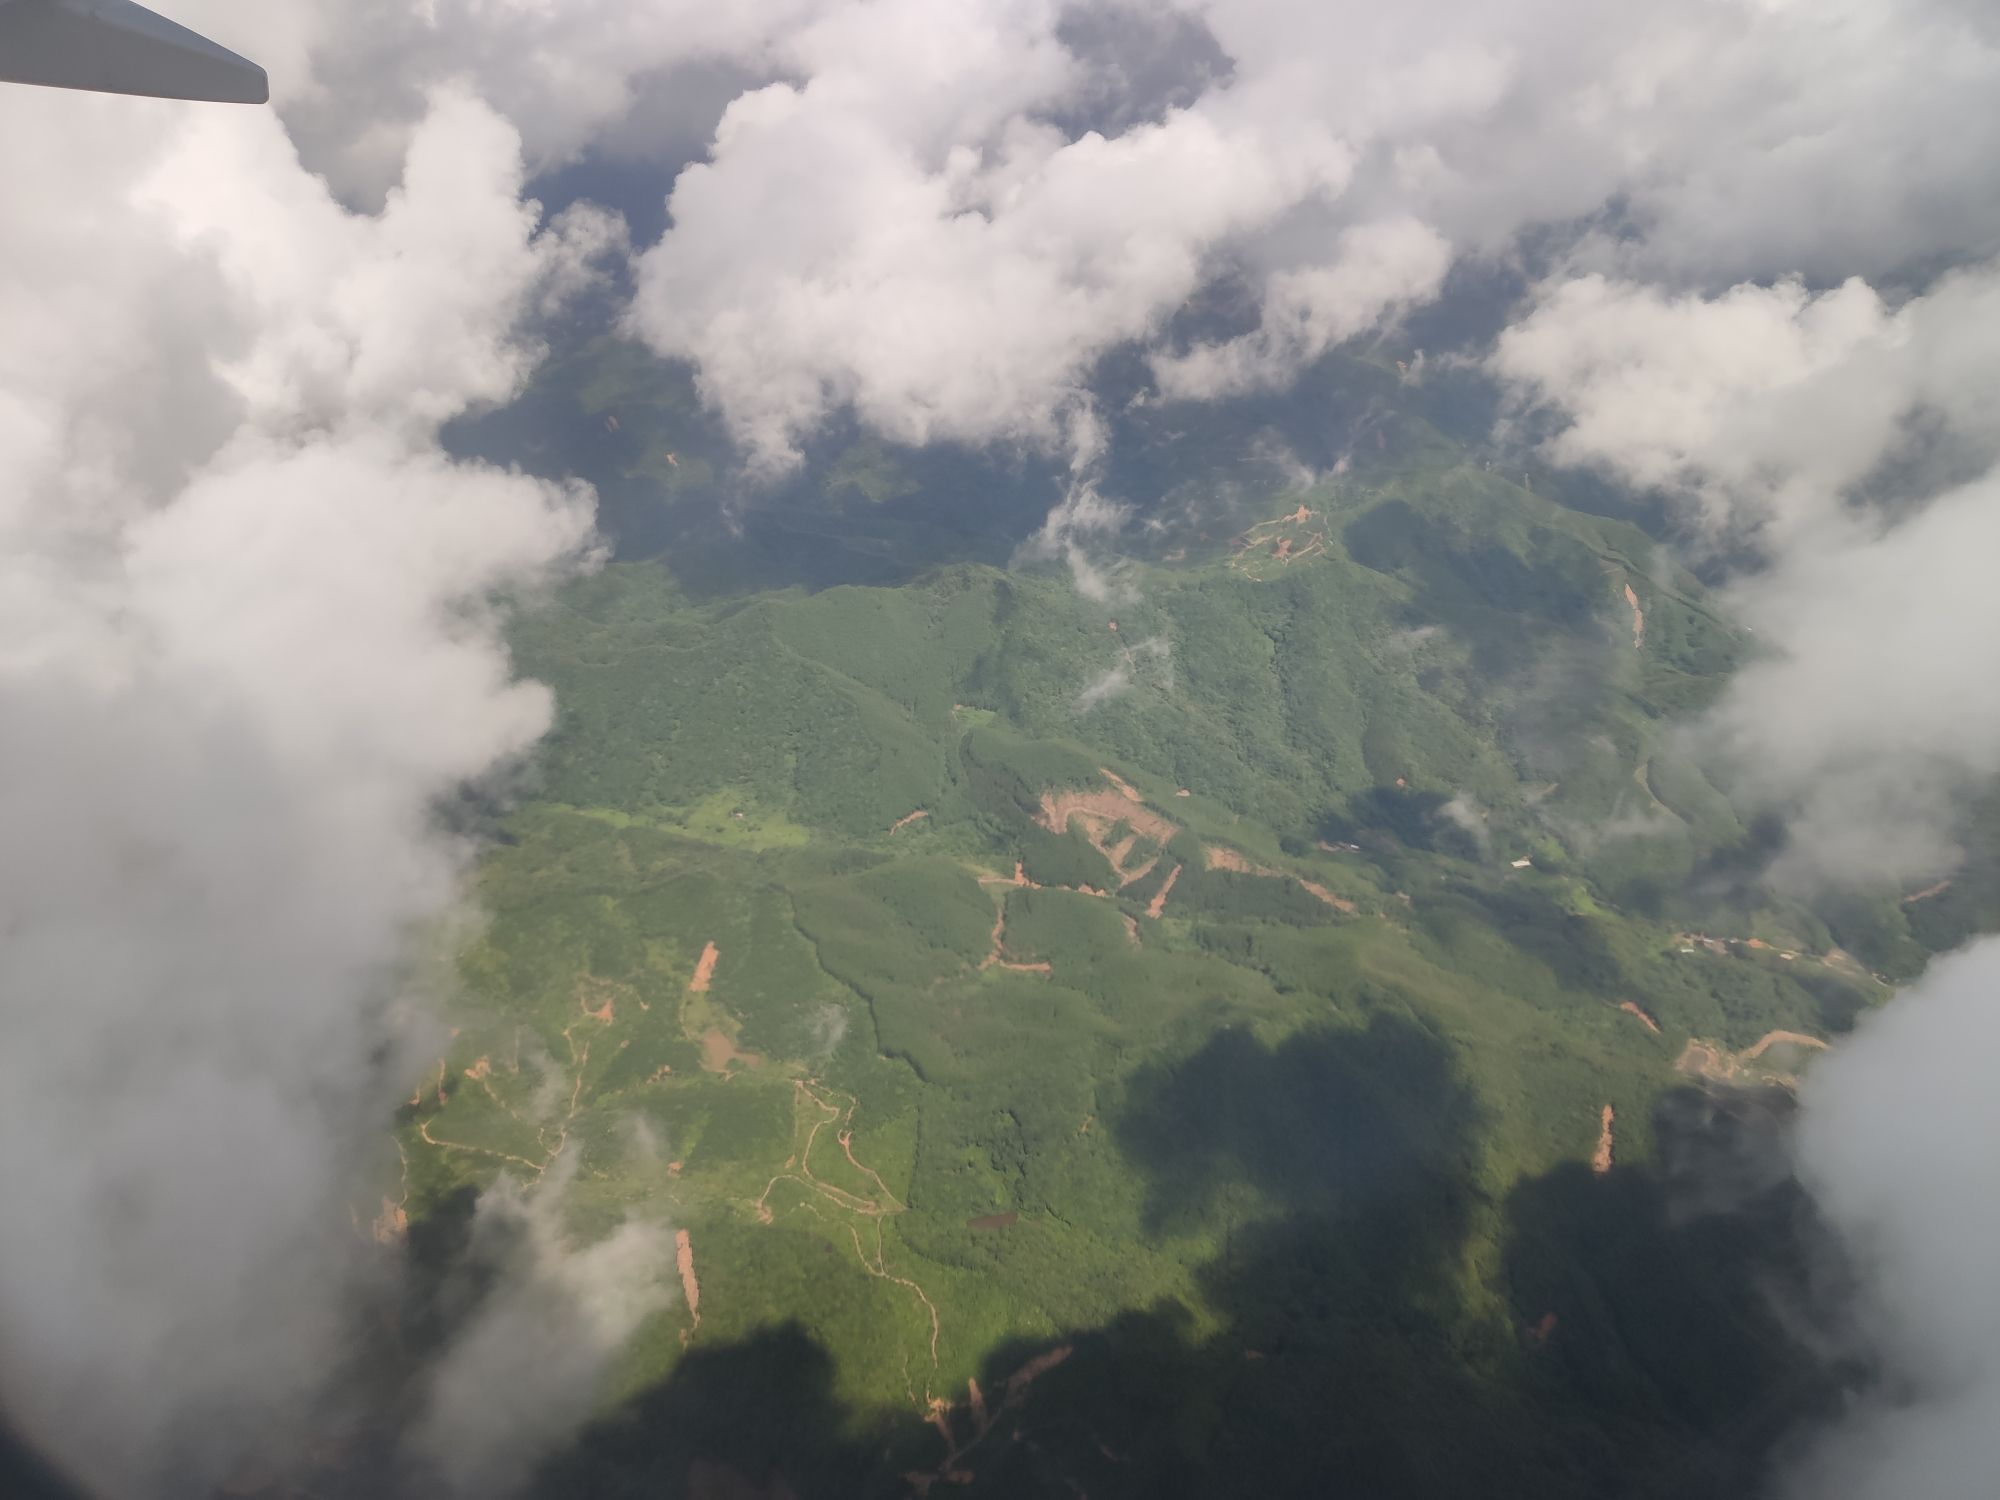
[(1896, 1145), (247, 626), (246, 606), (1844, 450)]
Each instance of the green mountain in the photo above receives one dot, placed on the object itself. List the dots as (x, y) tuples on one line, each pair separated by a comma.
[(1258, 1032)]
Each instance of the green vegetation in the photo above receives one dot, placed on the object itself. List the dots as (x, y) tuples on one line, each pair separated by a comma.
[(1242, 1142)]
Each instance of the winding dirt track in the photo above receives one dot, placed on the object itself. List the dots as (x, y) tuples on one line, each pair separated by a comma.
[(799, 1171), (907, 819)]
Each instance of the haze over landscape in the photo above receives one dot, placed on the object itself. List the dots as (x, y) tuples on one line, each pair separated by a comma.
[(1138, 747)]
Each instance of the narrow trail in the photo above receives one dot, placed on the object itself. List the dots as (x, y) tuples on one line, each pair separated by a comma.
[(1638, 619), (1600, 1160), (1159, 902), (1770, 1038), (1632, 1009), (481, 1072), (1222, 857), (907, 819), (994, 960), (799, 1171), (1926, 893)]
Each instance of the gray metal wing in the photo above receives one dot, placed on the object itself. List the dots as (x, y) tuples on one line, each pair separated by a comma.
[(115, 47)]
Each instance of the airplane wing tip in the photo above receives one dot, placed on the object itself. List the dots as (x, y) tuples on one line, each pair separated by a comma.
[(117, 47)]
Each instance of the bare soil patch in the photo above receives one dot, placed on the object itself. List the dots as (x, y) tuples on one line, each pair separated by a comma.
[(1710, 1060), (690, 1287), (704, 969), (1600, 1160), (1159, 902), (907, 819), (1638, 618), (719, 1053), (988, 1222)]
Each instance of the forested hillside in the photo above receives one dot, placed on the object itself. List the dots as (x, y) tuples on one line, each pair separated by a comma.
[(1250, 1032)]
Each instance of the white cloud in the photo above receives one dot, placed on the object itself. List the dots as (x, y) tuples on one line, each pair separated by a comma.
[(1895, 1141), (1377, 270), (1769, 404), (898, 228), (246, 639), (526, 1369), (1835, 428)]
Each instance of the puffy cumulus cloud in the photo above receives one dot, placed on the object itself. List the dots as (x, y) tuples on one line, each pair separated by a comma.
[(1874, 705), (1895, 1141), (352, 78), (916, 222), (1771, 405), (1851, 437), (247, 639), (1376, 270), (902, 234)]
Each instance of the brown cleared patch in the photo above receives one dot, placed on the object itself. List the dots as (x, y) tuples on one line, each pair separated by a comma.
[(1101, 811), (1131, 927), (1632, 1009), (1710, 1060), (1927, 892), (1159, 902), (1638, 618), (1600, 1159), (986, 1223), (719, 1053), (1269, 547), (595, 997), (690, 1287), (907, 819), (392, 1225), (1702, 1059), (704, 969)]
